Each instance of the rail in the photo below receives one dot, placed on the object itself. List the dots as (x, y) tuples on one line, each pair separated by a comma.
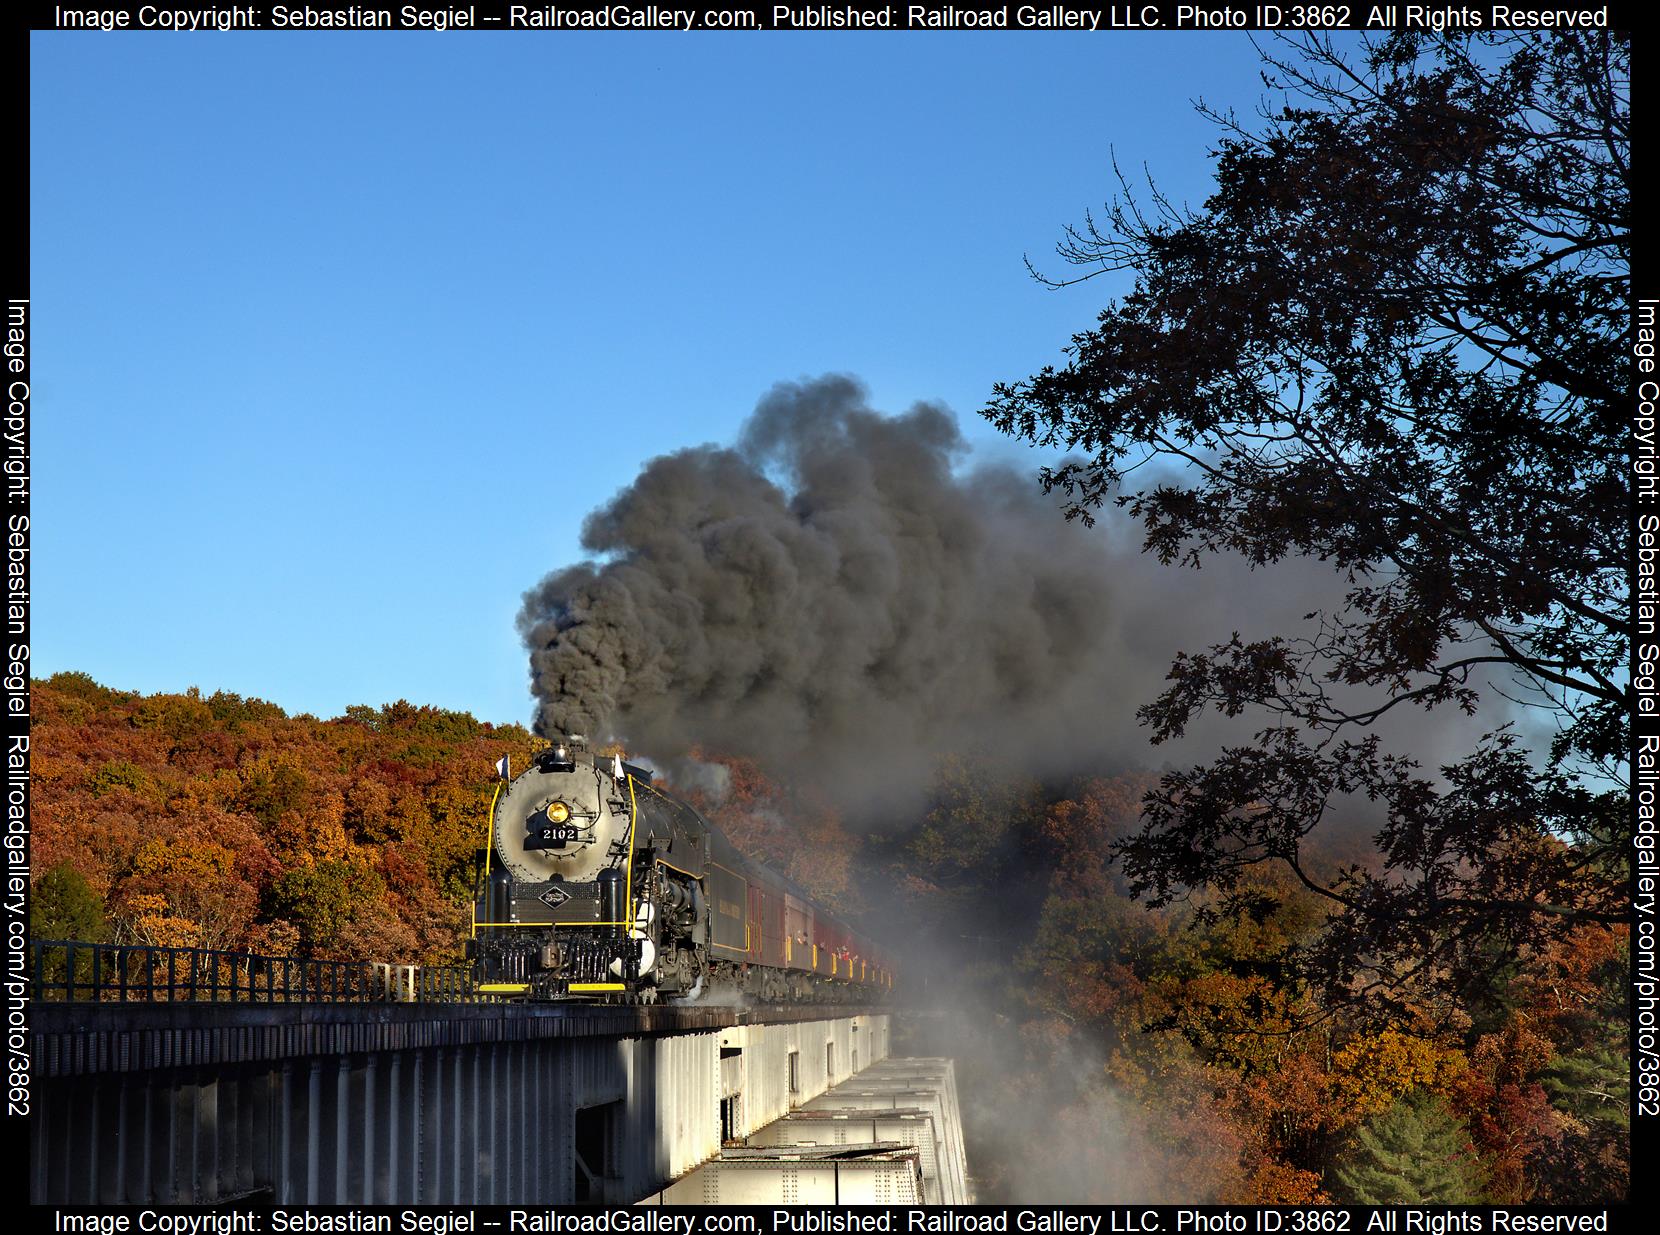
[(69, 970)]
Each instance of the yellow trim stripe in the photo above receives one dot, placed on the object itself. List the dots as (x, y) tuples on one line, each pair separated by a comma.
[(678, 871), (651, 788), (490, 830), (633, 818), (596, 986), (489, 837), (745, 949), (504, 988), (628, 891), (560, 925)]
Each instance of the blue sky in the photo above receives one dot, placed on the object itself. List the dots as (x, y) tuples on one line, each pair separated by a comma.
[(338, 336)]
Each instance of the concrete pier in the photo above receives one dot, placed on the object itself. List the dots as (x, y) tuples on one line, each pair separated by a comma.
[(329, 1104), (891, 1134)]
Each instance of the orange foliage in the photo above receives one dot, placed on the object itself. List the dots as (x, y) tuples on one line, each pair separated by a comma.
[(184, 812), (1078, 830), (793, 831), (1564, 988), (1374, 1069)]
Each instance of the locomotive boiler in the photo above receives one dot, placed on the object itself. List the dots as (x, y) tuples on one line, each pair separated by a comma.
[(597, 884)]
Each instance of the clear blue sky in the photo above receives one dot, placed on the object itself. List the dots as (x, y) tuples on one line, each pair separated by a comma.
[(338, 336)]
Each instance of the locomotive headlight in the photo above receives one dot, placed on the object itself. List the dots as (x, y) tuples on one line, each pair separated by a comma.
[(558, 812)]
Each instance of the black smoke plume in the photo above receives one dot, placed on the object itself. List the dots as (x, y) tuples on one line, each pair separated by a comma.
[(843, 596), (831, 598)]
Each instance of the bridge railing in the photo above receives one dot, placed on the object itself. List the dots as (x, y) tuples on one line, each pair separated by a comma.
[(68, 970)]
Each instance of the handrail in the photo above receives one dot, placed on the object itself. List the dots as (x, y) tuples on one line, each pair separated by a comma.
[(73, 970)]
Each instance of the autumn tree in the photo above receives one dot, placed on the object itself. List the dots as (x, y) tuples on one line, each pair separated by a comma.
[(1391, 340), (979, 817), (324, 899), (182, 891), (791, 828)]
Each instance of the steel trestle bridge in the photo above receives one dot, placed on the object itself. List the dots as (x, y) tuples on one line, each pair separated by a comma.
[(177, 1075)]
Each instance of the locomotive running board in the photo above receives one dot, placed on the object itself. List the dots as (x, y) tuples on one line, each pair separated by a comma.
[(504, 988), (596, 986)]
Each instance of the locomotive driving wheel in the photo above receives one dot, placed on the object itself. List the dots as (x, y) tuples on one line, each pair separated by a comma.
[(688, 967)]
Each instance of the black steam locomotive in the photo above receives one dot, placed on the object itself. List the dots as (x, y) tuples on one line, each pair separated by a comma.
[(597, 884)]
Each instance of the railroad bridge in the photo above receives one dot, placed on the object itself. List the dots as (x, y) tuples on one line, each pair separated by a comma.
[(179, 1076)]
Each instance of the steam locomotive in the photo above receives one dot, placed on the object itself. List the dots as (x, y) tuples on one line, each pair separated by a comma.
[(596, 884)]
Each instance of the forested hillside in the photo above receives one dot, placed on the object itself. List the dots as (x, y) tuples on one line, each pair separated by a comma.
[(1112, 1051), (221, 822)]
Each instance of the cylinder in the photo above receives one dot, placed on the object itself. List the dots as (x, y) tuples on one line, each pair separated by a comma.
[(498, 896), (611, 899)]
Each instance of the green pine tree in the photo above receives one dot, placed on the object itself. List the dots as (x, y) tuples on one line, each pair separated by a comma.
[(1593, 1085), (64, 906), (1592, 1155), (1416, 1152)]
